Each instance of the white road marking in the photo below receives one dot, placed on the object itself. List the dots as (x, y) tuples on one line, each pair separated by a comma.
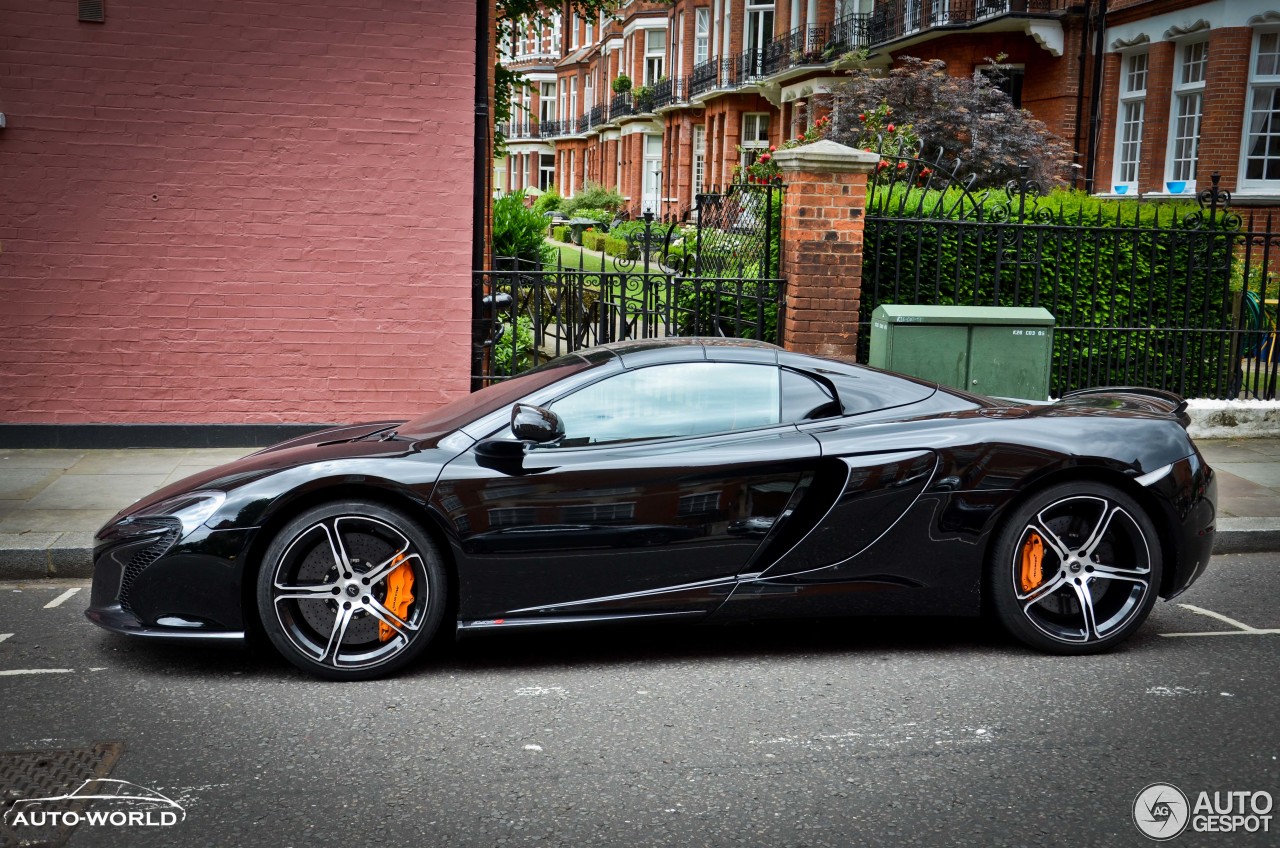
[(1244, 629), (57, 602), (4, 636), (17, 672), (1249, 632), (535, 748)]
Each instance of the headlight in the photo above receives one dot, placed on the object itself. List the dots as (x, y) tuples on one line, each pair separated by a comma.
[(191, 509)]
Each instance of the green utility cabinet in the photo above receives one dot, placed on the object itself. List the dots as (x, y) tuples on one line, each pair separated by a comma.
[(1001, 351)]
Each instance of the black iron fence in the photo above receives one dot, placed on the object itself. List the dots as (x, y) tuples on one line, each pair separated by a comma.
[(1166, 295), (715, 275)]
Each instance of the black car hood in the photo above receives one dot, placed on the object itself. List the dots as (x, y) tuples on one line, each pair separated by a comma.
[(331, 444)]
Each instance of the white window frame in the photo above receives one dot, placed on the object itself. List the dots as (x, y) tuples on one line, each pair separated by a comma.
[(701, 35), (546, 103), (573, 99), (573, 31), (651, 175), (546, 172), (1261, 83), (911, 10), (758, 22), (754, 125), (1134, 69), (654, 57), (1186, 111), (678, 47), (698, 166)]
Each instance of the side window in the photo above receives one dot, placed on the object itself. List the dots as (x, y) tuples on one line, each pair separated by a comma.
[(664, 401), (805, 399)]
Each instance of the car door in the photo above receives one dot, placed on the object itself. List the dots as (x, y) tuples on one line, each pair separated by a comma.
[(667, 479)]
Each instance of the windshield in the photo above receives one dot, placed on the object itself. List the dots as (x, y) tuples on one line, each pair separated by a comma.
[(464, 410)]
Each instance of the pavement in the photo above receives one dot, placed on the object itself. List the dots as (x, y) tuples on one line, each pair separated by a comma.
[(52, 501)]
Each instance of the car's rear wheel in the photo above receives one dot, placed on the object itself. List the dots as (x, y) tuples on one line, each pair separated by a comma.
[(351, 590), (1076, 569)]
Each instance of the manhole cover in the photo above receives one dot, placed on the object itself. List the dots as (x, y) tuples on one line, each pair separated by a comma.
[(44, 774)]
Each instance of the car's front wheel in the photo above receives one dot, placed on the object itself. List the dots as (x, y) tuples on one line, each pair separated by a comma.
[(1075, 569), (351, 590)]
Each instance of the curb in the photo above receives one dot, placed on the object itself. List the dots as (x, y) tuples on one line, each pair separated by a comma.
[(33, 556), (1247, 536), (60, 557)]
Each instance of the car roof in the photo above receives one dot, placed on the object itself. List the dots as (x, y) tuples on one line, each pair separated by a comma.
[(637, 352)]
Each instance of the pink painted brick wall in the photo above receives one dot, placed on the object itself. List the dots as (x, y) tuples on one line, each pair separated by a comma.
[(233, 211)]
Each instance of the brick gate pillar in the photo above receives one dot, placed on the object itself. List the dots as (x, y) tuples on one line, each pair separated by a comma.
[(822, 221)]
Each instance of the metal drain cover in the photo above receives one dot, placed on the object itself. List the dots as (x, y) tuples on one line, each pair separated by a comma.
[(44, 774)]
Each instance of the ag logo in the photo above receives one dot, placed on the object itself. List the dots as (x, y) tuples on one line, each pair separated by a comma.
[(1161, 811)]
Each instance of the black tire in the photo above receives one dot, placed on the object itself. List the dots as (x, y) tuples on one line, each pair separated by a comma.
[(322, 605), (1076, 590)]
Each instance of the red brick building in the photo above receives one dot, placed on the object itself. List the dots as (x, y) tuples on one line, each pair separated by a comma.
[(710, 76), (219, 211)]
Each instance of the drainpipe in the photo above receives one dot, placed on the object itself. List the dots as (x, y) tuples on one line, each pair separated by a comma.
[(480, 192), (1095, 107), (1083, 60)]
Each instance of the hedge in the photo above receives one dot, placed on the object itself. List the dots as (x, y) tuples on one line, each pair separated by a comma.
[(594, 239), (561, 233), (1094, 264)]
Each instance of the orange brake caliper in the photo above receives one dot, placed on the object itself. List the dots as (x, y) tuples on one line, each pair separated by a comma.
[(399, 595), (1032, 557)]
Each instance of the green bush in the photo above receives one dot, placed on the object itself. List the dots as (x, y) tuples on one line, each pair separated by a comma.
[(513, 353), (594, 239), (1092, 262), (561, 233), (615, 246), (549, 201), (517, 231), (593, 196)]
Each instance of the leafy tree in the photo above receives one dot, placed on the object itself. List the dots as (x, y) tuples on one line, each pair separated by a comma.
[(512, 17), (969, 118)]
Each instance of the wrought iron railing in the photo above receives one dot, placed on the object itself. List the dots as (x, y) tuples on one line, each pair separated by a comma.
[(621, 105), (551, 129), (705, 77), (515, 130), (894, 19), (1155, 295), (663, 93)]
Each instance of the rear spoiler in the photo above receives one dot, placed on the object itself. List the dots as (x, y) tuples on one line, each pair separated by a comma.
[(1177, 403)]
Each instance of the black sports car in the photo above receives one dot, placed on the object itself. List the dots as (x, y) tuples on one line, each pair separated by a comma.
[(692, 479)]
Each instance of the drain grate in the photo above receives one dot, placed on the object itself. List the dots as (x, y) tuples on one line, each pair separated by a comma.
[(42, 774)]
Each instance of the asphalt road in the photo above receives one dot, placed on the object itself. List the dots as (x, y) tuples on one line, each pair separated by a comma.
[(846, 733)]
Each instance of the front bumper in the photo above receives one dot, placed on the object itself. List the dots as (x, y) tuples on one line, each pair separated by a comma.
[(149, 580)]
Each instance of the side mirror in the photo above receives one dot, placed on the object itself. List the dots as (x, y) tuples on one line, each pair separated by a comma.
[(535, 424)]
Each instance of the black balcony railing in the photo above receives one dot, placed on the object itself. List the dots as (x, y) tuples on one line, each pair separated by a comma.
[(551, 129), (621, 105), (897, 18), (705, 76), (516, 130), (662, 95)]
